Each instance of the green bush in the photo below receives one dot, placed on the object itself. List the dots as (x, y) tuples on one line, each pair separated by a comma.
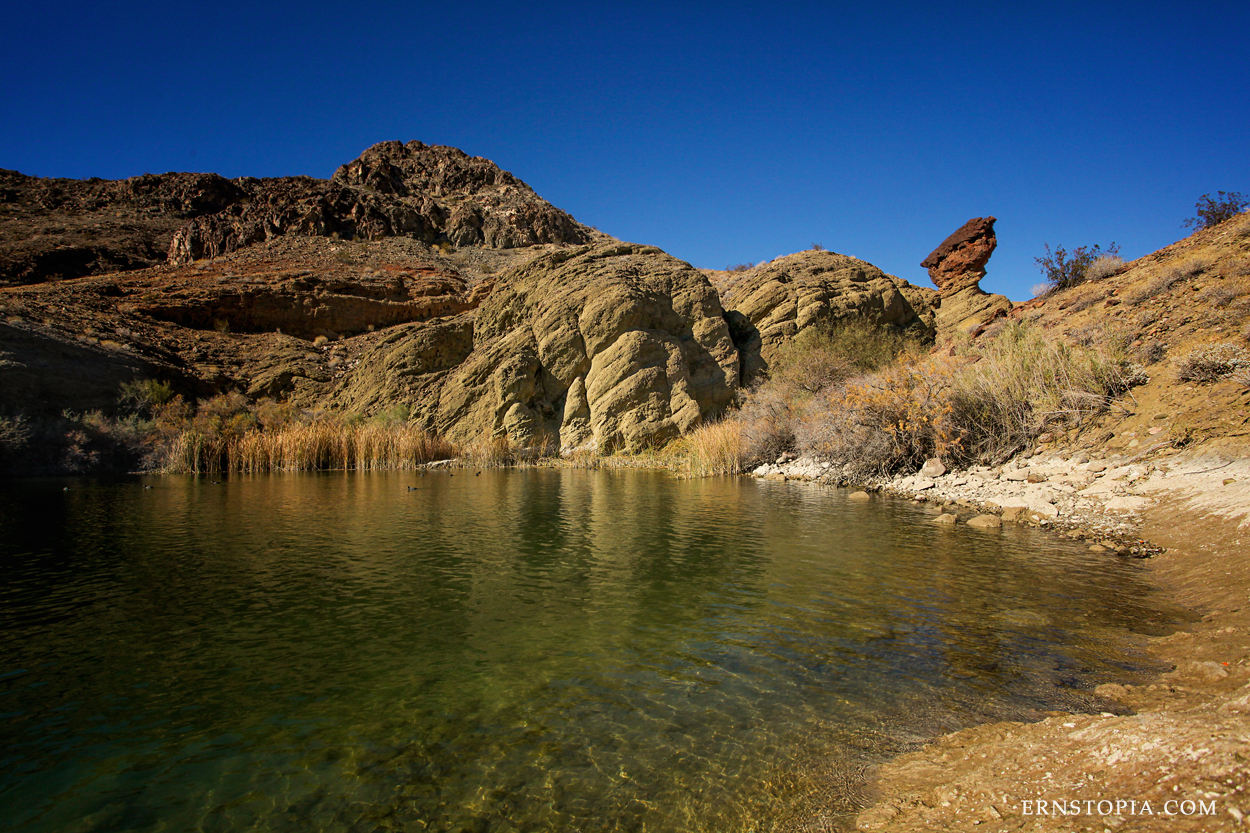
[(142, 396), (14, 433)]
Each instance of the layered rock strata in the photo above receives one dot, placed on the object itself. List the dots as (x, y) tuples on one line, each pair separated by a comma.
[(607, 347)]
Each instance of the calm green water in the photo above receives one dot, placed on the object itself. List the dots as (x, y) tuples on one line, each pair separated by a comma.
[(518, 651)]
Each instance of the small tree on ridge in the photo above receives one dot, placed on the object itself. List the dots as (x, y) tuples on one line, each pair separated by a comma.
[(1063, 269), (1212, 212)]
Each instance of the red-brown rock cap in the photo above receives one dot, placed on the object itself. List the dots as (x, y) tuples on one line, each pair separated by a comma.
[(960, 260)]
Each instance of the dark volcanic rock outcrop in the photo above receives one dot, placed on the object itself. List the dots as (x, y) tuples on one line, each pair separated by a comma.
[(956, 268), (813, 288), (64, 228), (426, 192), (68, 228)]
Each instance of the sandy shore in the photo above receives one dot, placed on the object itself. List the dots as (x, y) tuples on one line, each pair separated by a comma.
[(1181, 760)]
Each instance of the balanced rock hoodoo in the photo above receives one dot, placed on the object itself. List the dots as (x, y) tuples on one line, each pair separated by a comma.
[(956, 268)]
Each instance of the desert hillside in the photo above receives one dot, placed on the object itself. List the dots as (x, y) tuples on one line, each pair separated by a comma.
[(422, 282)]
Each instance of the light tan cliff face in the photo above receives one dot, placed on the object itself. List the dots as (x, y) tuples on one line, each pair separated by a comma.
[(614, 345)]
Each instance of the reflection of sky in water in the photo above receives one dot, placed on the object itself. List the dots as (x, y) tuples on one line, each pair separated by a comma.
[(520, 650)]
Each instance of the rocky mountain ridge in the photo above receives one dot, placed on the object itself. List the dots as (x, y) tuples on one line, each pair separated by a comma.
[(60, 228)]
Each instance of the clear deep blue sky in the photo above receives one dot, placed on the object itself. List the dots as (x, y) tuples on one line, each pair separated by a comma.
[(722, 133)]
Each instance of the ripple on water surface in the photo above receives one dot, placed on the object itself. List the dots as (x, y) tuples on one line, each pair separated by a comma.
[(520, 650)]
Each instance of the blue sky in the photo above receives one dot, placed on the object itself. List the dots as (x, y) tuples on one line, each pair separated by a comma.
[(722, 133)]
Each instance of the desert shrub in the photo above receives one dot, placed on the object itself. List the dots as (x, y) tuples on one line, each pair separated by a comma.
[(141, 396), (810, 363), (1018, 386), (767, 415), (889, 420), (14, 434), (396, 414), (828, 354), (1212, 363), (817, 360), (1104, 267), (740, 267), (1213, 211), (715, 448), (1152, 351), (1063, 269)]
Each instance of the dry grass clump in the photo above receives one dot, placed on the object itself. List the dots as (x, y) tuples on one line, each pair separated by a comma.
[(1086, 301), (489, 452), (715, 448), (229, 433), (1221, 294), (1168, 279), (324, 444), (984, 406), (1026, 384), (1214, 362), (1104, 267)]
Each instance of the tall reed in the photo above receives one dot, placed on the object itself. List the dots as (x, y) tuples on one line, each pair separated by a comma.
[(307, 446), (715, 448)]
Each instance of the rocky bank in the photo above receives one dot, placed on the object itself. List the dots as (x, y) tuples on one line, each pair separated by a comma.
[(1178, 760)]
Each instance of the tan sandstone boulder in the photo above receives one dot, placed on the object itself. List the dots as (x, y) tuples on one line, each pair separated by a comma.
[(777, 300), (609, 346)]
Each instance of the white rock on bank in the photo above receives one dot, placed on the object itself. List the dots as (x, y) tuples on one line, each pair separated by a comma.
[(1127, 503)]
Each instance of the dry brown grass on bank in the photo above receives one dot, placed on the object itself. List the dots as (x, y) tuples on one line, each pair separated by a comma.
[(714, 448), (305, 447), (982, 406)]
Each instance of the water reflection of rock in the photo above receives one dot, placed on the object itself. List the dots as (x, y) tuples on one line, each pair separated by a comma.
[(554, 646)]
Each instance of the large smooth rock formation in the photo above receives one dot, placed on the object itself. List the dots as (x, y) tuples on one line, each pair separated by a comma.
[(610, 346), (813, 288), (956, 268)]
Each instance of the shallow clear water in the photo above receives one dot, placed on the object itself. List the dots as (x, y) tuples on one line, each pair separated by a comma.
[(517, 651)]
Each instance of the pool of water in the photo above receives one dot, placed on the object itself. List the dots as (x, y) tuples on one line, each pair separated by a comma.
[(520, 650)]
